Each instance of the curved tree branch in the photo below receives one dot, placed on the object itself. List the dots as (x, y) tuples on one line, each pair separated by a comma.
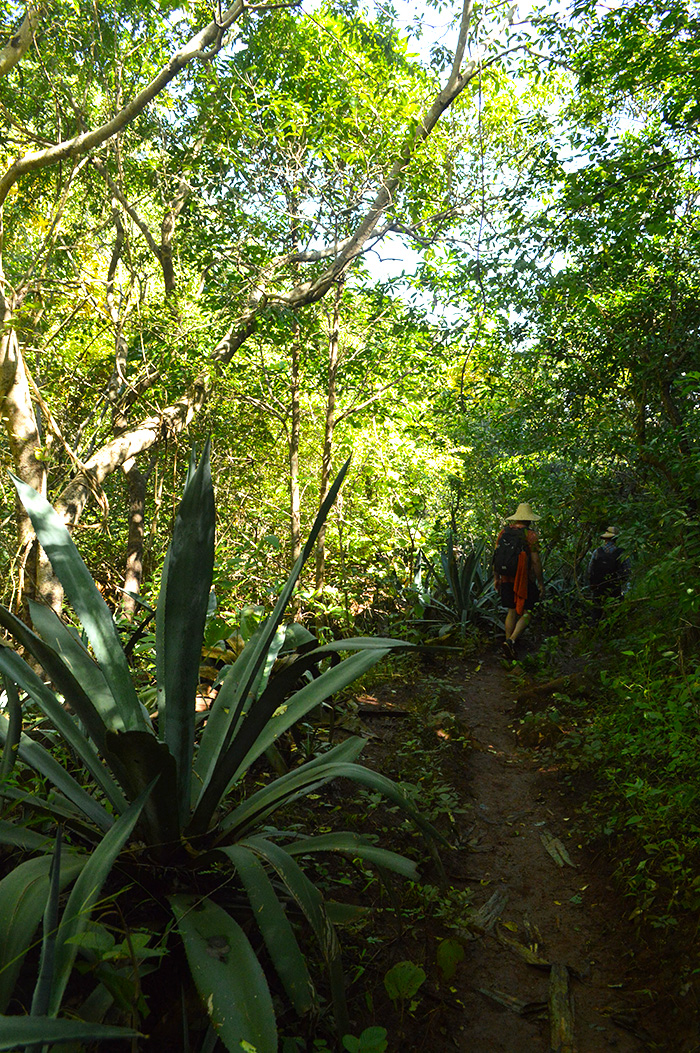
[(144, 435), (123, 448), (18, 45), (211, 37)]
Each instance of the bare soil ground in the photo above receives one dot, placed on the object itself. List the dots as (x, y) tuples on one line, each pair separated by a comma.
[(552, 961)]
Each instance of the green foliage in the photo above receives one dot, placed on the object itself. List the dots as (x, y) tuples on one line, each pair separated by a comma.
[(459, 589), (449, 954), (26, 1031), (636, 733), (159, 792), (372, 1040), (644, 744), (403, 981)]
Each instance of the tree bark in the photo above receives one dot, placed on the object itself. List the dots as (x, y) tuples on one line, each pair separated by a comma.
[(24, 438), (134, 546), (333, 352), (137, 440), (294, 437), (20, 42)]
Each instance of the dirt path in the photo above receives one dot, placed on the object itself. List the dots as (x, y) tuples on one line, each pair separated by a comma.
[(567, 915)]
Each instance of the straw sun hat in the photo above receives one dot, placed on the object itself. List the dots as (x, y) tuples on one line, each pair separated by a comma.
[(524, 512), (611, 532)]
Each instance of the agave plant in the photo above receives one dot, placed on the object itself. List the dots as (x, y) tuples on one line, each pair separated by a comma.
[(156, 791), (459, 589)]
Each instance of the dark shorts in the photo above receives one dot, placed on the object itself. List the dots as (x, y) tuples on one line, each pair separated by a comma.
[(508, 596)]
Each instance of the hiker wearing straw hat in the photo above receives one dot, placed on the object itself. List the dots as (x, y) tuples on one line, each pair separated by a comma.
[(608, 570), (517, 572)]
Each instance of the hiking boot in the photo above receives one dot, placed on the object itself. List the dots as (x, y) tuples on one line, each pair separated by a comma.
[(509, 649)]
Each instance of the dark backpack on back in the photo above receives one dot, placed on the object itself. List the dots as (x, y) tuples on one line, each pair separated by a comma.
[(508, 548), (606, 568)]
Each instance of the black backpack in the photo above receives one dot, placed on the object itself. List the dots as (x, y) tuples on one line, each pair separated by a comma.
[(606, 567), (508, 548)]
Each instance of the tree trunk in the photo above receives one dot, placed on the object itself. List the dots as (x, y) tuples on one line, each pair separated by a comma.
[(333, 349), (134, 546), (24, 438), (294, 434)]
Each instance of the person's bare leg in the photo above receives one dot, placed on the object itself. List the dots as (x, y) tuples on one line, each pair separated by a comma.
[(511, 620), (520, 625)]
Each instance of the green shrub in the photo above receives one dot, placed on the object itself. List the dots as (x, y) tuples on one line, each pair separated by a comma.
[(161, 797), (458, 589)]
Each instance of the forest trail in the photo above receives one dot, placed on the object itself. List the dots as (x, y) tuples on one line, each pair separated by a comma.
[(562, 910)]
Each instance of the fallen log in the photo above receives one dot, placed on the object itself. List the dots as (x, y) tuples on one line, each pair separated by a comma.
[(516, 1005), (561, 1011), (381, 711), (535, 697)]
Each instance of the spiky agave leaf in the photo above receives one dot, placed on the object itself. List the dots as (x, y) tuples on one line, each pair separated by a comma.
[(19, 1032), (84, 896), (23, 896), (214, 749), (180, 619), (85, 598), (15, 668), (38, 758), (227, 974), (261, 728), (277, 932)]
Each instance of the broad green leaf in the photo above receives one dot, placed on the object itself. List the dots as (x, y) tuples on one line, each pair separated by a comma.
[(23, 895), (355, 847), (227, 974), (299, 782), (218, 727), (42, 989), (94, 615), (56, 807), (143, 759), (404, 980), (85, 893), (302, 890), (180, 620), (261, 728), (222, 711), (19, 1031), (276, 930), (363, 643), (372, 1040), (346, 913), (296, 636), (42, 761), (449, 954), (22, 837), (313, 775), (311, 903), (221, 716), (14, 727), (12, 665), (85, 670), (349, 750), (210, 795)]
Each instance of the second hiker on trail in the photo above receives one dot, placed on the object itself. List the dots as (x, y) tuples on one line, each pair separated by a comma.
[(517, 572), (608, 571)]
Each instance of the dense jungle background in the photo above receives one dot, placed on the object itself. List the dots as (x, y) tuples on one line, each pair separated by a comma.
[(456, 245)]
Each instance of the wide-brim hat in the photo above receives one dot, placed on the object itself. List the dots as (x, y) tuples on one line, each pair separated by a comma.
[(610, 532), (524, 512)]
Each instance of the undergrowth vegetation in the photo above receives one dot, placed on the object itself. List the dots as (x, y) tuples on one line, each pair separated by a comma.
[(631, 730), (113, 796)]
